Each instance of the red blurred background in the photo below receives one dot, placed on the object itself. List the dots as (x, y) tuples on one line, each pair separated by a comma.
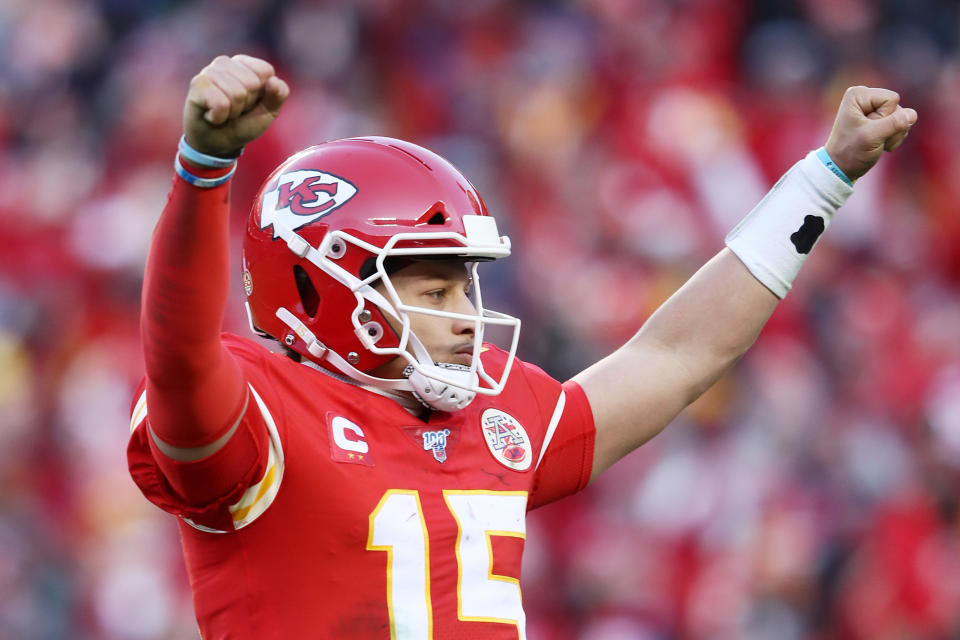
[(812, 494)]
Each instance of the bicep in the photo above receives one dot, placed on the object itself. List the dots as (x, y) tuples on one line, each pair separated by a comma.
[(191, 417), (223, 487), (633, 394)]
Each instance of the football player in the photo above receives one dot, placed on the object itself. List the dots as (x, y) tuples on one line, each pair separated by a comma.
[(374, 483)]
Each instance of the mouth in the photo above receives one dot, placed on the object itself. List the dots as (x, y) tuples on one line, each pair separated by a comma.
[(463, 354)]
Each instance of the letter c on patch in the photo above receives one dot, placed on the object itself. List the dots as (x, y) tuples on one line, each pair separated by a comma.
[(340, 427)]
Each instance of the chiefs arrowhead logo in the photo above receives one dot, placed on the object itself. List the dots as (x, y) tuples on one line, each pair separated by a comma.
[(302, 197)]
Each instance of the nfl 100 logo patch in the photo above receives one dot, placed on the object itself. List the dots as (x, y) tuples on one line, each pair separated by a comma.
[(506, 439), (436, 441)]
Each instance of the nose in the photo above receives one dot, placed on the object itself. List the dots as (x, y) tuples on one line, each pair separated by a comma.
[(465, 306)]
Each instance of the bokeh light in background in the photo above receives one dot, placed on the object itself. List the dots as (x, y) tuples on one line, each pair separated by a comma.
[(811, 494)]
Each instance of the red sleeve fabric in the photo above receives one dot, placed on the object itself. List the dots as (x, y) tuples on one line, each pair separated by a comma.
[(201, 491), (199, 482), (184, 295), (567, 463), (566, 459), (194, 387), (206, 492)]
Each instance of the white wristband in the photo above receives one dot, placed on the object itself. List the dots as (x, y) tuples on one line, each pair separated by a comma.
[(776, 237)]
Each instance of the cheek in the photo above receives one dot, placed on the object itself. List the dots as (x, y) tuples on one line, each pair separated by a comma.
[(427, 328)]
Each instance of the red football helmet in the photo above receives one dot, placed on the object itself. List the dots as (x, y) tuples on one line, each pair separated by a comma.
[(324, 228)]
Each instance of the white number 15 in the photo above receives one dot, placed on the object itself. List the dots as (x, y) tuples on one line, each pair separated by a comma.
[(397, 526)]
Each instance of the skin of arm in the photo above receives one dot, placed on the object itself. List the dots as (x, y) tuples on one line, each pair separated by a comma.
[(681, 350), (710, 322)]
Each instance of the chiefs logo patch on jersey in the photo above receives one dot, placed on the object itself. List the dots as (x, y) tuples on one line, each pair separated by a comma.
[(302, 197), (506, 439)]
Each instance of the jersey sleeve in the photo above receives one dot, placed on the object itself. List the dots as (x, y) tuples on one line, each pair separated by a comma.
[(230, 488), (565, 460)]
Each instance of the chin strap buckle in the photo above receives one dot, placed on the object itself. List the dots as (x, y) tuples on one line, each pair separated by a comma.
[(436, 394)]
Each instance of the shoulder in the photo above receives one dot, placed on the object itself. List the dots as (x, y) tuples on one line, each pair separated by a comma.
[(256, 359), (280, 380), (245, 348), (527, 384), (495, 360)]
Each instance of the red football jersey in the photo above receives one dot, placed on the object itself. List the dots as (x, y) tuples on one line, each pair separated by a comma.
[(361, 520)]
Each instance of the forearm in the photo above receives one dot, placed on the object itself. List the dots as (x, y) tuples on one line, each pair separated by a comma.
[(185, 285), (715, 317), (193, 385)]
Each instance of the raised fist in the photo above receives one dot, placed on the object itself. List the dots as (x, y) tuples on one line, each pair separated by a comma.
[(868, 122), (230, 103)]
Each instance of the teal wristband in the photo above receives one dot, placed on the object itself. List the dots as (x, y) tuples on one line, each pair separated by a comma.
[(204, 160), (830, 164)]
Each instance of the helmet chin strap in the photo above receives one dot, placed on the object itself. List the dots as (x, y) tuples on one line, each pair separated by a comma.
[(439, 395), (445, 389), (440, 386)]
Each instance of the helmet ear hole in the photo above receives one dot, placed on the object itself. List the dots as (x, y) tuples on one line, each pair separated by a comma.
[(308, 293)]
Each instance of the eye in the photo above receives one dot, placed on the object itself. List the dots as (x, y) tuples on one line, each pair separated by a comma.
[(436, 295)]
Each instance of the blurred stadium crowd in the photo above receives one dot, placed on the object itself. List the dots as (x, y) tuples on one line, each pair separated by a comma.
[(812, 494)]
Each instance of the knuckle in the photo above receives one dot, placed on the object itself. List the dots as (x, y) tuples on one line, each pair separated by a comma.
[(257, 65)]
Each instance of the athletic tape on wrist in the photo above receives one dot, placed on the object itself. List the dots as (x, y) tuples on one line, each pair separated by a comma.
[(204, 160), (776, 237), (197, 181)]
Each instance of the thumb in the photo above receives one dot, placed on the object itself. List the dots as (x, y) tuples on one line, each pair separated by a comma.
[(275, 93), (894, 124), (897, 139)]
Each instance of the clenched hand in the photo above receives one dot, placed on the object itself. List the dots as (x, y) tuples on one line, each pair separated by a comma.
[(230, 103), (868, 122)]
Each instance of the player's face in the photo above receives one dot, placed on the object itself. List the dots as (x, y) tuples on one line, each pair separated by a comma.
[(442, 286)]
